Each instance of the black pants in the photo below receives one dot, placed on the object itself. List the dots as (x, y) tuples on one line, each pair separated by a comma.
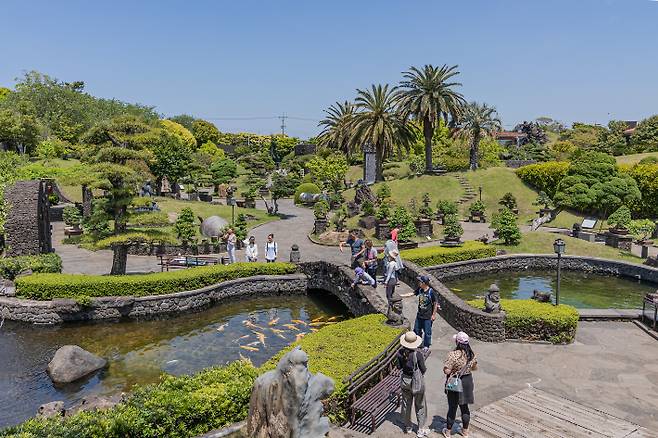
[(453, 402)]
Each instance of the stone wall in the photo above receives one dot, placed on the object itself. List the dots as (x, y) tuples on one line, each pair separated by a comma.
[(481, 325), (27, 228), (520, 262), (62, 310)]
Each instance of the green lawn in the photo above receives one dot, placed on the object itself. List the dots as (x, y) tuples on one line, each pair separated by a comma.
[(634, 158), (539, 242), (205, 209)]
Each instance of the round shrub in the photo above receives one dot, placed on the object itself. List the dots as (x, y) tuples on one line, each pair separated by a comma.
[(306, 188)]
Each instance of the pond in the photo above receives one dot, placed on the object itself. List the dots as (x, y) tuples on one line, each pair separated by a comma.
[(139, 351), (579, 289)]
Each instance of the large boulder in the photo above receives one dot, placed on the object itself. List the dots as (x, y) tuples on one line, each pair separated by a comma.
[(52, 409), (212, 226), (71, 363)]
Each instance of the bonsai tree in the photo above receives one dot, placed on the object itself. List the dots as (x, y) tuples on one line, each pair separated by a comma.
[(425, 211), (477, 208), (404, 221), (338, 220), (383, 193), (453, 229), (508, 200), (367, 208), (254, 182), (620, 219), (184, 227), (545, 200), (446, 207), (641, 229), (383, 212), (72, 216), (506, 227), (320, 209), (240, 227)]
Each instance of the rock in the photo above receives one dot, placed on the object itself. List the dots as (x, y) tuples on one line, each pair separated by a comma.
[(364, 193), (71, 363), (541, 297), (492, 299), (93, 403), (368, 222), (52, 409), (211, 226)]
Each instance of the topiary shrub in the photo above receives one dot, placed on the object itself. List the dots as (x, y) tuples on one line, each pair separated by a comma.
[(320, 209), (508, 200), (533, 321), (149, 219), (544, 176), (477, 207), (446, 207), (11, 267), (308, 187), (72, 216), (453, 229), (621, 218), (506, 227), (184, 227), (405, 222), (437, 255)]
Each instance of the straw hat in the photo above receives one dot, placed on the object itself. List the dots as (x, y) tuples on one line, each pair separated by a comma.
[(410, 340)]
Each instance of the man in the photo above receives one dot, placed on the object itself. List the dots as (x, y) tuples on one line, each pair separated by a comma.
[(357, 246), (428, 306), (271, 249)]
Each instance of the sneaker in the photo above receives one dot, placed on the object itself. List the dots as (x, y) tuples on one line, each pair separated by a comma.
[(446, 433), (408, 430), (422, 433)]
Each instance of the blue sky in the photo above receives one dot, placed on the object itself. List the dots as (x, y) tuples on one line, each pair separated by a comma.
[(574, 60)]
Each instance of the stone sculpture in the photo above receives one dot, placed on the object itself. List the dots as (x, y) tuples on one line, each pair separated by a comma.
[(364, 193), (287, 402), (541, 297), (211, 226), (71, 363), (492, 299)]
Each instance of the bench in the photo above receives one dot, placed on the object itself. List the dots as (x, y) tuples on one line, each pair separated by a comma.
[(168, 262)]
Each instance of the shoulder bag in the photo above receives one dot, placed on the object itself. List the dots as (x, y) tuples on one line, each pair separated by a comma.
[(417, 377), (454, 381)]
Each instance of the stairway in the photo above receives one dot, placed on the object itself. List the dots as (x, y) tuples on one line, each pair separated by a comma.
[(469, 192)]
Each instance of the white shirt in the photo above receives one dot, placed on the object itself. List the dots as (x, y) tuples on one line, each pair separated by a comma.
[(250, 251), (270, 250), (391, 271)]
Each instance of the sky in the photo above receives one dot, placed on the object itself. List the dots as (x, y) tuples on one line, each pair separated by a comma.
[(241, 64)]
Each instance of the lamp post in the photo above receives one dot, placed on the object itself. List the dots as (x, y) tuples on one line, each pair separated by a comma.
[(480, 188), (558, 247)]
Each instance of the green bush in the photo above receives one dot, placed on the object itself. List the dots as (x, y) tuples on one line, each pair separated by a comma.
[(437, 255), (621, 218), (10, 267), (504, 222), (452, 228), (544, 176), (534, 321), (355, 341), (71, 215), (306, 188), (402, 219), (48, 286), (150, 219), (184, 406), (446, 207), (185, 227)]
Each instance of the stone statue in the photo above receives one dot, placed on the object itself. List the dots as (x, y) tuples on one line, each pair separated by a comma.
[(364, 193), (211, 226), (541, 297), (287, 402), (492, 299)]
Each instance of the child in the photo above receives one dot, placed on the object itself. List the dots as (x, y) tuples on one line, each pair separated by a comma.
[(361, 275)]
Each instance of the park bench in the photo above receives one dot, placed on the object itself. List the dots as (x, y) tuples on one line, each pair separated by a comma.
[(168, 262)]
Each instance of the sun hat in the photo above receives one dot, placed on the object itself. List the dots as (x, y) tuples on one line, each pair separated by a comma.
[(410, 340), (423, 278), (460, 338)]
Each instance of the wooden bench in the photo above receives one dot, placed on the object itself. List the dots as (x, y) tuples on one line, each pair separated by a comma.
[(168, 262)]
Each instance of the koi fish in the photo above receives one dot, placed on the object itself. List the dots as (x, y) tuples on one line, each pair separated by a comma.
[(251, 344), (222, 327), (291, 327), (316, 324), (251, 325), (333, 318), (314, 330), (172, 361), (242, 357), (273, 322), (261, 337), (456, 290), (299, 337), (298, 321), (246, 347), (317, 319)]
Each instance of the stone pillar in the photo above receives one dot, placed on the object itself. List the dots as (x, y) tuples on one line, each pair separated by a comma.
[(27, 228), (295, 255), (645, 251), (87, 198)]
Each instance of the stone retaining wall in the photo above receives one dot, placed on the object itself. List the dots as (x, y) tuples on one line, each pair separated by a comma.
[(62, 310), (520, 262), (481, 325)]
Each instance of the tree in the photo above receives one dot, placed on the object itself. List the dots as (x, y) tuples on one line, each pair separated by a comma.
[(9, 173), (550, 125), (328, 173), (185, 120), (336, 128), (172, 157), (284, 184), (223, 171), (582, 135), (506, 227), (378, 124), (621, 218), (534, 132), (184, 226), (4, 92), (205, 131), (478, 121), (19, 131), (179, 131), (427, 96), (645, 138), (612, 141), (405, 222)]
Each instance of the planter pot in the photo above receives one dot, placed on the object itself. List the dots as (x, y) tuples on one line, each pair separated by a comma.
[(439, 218), (193, 196), (451, 241), (320, 226), (264, 191), (423, 227), (619, 231), (382, 228), (407, 245), (368, 222), (205, 197), (249, 203), (544, 211), (515, 211)]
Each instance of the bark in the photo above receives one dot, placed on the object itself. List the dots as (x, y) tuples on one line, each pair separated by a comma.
[(119, 259), (474, 152), (428, 131)]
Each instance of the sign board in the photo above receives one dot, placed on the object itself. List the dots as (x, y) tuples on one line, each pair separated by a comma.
[(369, 167), (589, 223)]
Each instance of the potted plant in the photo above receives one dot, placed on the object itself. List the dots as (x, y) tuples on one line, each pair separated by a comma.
[(545, 201), (73, 219), (620, 220), (404, 221), (320, 210), (382, 226), (642, 229), (477, 210), (452, 231), (444, 208), (509, 201), (338, 220)]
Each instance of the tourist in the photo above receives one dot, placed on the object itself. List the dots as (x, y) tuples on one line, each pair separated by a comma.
[(412, 382), (231, 240), (251, 249), (458, 365), (428, 305), (389, 246), (357, 248), (271, 249), (370, 259), (361, 275), (391, 280), (394, 234)]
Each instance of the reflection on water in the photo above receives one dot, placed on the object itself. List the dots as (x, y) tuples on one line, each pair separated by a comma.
[(138, 351), (579, 289)]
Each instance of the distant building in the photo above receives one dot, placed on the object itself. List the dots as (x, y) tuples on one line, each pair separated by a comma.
[(305, 149), (631, 126), (508, 138), (229, 149)]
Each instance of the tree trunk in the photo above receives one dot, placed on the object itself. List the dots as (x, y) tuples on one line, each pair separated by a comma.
[(474, 152), (428, 131), (276, 205), (379, 163), (119, 259)]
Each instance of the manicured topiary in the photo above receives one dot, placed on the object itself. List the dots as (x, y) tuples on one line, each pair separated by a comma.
[(72, 216), (621, 218), (402, 219), (306, 188), (508, 200), (506, 227), (437, 255), (446, 207), (10, 267), (453, 229), (184, 227)]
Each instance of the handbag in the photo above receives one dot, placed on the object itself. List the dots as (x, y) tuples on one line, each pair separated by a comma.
[(417, 378), (454, 381)]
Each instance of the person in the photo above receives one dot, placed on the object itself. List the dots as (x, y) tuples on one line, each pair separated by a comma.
[(231, 240), (391, 276), (370, 259), (360, 275), (271, 249), (410, 361), (460, 363), (394, 234), (428, 305), (389, 246), (357, 247), (251, 249)]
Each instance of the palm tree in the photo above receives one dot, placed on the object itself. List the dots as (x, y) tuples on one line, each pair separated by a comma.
[(428, 96), (378, 124), (336, 127), (478, 121)]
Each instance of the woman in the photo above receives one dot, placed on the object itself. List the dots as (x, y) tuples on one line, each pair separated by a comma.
[(251, 249), (391, 275), (459, 363), (231, 240), (370, 259), (271, 249), (412, 363)]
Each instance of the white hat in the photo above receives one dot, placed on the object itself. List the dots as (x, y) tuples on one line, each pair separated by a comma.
[(460, 338), (410, 340)]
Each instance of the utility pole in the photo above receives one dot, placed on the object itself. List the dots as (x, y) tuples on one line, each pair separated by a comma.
[(283, 123)]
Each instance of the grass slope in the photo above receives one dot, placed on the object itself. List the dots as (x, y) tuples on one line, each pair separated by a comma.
[(205, 209), (403, 190), (634, 158)]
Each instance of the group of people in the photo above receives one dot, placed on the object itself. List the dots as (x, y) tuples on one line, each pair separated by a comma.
[(250, 247)]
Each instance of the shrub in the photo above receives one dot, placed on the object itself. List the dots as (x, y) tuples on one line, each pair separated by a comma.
[(403, 220), (176, 407), (543, 200), (152, 219), (384, 211), (320, 209), (368, 209), (11, 267), (534, 321), (383, 193), (48, 286), (506, 227), (544, 176), (437, 255), (446, 207), (71, 215), (453, 164), (620, 218), (453, 229), (508, 200), (641, 229), (306, 188), (477, 207), (184, 226), (355, 342)]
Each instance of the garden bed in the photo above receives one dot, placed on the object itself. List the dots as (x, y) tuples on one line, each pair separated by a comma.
[(437, 255)]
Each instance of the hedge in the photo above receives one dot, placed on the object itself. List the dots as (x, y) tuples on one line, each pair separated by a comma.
[(307, 187), (438, 255), (10, 267), (544, 176), (48, 286), (189, 406), (534, 321)]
